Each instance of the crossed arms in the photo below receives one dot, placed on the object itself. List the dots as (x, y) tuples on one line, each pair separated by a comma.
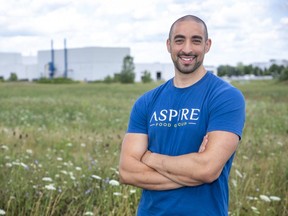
[(142, 168)]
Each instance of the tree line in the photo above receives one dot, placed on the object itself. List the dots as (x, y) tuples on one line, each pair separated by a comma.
[(276, 71)]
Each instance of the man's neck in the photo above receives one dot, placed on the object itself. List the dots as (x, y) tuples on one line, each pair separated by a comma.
[(185, 80)]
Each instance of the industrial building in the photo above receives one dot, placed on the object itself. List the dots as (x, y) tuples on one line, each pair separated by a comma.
[(81, 64)]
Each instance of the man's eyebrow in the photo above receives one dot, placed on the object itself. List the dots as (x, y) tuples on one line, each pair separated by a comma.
[(197, 37), (179, 36)]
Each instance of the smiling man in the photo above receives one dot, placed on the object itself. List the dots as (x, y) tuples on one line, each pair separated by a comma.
[(182, 135)]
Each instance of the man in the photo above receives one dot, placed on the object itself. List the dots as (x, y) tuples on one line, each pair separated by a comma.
[(182, 136)]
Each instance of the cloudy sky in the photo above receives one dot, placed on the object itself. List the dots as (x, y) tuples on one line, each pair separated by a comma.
[(244, 31)]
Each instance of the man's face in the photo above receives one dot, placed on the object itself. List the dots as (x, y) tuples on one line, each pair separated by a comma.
[(188, 46)]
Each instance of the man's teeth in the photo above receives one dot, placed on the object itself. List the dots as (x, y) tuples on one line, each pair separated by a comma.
[(187, 58)]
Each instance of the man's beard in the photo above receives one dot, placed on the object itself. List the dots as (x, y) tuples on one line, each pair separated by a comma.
[(186, 69)]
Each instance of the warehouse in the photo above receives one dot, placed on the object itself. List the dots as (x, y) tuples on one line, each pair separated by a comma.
[(81, 64)]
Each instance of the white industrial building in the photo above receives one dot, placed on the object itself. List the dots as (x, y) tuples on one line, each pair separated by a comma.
[(82, 64)]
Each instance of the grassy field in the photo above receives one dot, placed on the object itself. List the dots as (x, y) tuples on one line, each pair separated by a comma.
[(59, 150)]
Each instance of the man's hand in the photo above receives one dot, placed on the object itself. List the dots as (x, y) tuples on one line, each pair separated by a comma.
[(203, 144), (145, 157)]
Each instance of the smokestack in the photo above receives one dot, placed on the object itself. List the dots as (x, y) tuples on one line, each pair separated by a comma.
[(65, 60), (51, 65)]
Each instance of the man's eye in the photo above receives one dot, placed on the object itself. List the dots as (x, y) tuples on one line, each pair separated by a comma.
[(178, 41), (197, 41)]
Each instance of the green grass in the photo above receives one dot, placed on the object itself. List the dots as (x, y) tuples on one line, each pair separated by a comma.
[(60, 144)]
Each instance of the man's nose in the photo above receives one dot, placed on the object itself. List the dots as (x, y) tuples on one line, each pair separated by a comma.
[(187, 47)]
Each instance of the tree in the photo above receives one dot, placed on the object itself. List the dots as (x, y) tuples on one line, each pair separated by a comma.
[(13, 77), (127, 74), (284, 74), (146, 78), (275, 70)]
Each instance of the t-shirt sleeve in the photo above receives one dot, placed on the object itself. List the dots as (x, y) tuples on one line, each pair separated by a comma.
[(138, 121), (227, 112)]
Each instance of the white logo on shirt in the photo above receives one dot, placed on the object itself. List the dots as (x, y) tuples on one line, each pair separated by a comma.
[(169, 117)]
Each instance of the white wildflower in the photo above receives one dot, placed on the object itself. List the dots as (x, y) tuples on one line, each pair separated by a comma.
[(50, 187), (114, 182), (69, 144), (117, 194), (8, 165), (265, 198), (132, 191), (59, 159), (89, 213), (255, 210), (234, 182), (251, 198), (238, 173), (4, 147), (48, 179), (2, 212), (29, 151), (96, 177), (275, 198), (245, 157), (83, 145), (24, 165), (64, 172), (78, 168)]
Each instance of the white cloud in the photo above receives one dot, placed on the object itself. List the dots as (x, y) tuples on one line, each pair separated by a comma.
[(244, 31)]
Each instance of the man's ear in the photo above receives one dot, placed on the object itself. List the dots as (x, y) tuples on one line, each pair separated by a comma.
[(208, 44), (168, 45)]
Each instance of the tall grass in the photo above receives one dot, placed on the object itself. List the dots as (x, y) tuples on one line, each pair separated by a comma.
[(59, 150)]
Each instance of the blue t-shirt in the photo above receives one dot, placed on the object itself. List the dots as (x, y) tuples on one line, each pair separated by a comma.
[(176, 120)]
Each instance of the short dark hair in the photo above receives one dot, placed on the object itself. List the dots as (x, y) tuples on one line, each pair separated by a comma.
[(190, 17)]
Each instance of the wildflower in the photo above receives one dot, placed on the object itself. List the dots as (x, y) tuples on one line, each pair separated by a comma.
[(24, 165), (89, 213), (2, 212), (4, 147), (29, 151), (251, 198), (88, 191), (114, 183), (96, 177), (59, 159), (265, 198), (8, 165), (238, 173), (245, 157), (117, 194), (50, 187), (78, 168), (69, 144), (48, 179), (64, 172), (132, 191), (275, 198), (255, 210), (234, 182), (83, 145)]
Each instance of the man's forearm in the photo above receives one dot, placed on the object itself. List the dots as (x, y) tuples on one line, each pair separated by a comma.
[(140, 175), (157, 162)]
